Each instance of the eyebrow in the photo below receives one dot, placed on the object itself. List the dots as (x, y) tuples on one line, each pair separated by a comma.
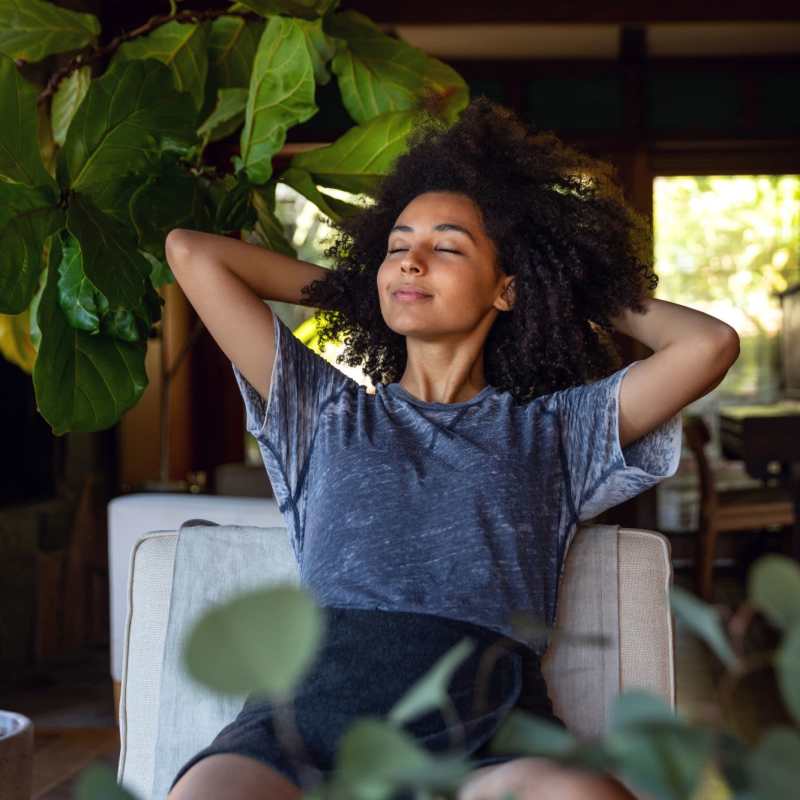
[(442, 226)]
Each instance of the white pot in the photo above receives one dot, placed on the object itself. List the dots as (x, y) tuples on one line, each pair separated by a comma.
[(16, 756)]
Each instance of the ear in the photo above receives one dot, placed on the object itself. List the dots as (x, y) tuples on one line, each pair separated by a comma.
[(508, 296)]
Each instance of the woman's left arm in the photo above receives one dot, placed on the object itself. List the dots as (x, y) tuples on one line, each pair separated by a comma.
[(693, 353)]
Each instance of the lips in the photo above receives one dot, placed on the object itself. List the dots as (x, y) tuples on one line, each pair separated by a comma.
[(405, 296), (410, 291)]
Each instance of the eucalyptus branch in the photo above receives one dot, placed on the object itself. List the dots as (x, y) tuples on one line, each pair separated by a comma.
[(289, 737), (98, 53)]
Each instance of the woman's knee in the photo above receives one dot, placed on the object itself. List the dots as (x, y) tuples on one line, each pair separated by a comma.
[(233, 776), (531, 778)]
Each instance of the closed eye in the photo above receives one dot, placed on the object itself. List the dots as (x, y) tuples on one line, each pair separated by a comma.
[(439, 249)]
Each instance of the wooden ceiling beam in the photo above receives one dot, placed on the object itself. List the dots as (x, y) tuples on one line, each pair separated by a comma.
[(444, 12)]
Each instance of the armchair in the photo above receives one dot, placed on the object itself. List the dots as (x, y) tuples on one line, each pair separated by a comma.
[(616, 582)]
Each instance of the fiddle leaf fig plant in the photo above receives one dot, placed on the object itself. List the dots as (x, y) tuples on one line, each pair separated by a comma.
[(173, 124), (266, 639)]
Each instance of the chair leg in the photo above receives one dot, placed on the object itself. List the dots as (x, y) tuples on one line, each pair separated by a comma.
[(704, 562)]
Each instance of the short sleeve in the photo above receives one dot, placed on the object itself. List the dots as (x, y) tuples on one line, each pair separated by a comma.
[(301, 384), (600, 473)]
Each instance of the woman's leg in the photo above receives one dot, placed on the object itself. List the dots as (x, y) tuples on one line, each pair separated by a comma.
[(540, 779), (233, 776)]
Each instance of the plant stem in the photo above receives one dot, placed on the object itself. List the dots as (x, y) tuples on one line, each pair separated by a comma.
[(83, 58)]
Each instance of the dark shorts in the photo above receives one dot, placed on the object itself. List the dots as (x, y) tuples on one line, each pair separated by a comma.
[(367, 661)]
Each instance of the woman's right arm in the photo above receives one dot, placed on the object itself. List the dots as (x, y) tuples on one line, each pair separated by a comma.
[(226, 281)]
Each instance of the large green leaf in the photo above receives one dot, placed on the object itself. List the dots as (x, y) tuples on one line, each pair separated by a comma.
[(268, 228), (20, 161), (233, 208), (27, 217), (281, 95), (169, 198), (302, 182), (33, 29), (114, 198), (773, 587), (263, 641), (232, 46), (227, 116), (181, 46), (304, 9), (66, 100), (88, 309), (321, 47), (358, 160), (111, 260), (379, 73), (82, 382), (129, 114)]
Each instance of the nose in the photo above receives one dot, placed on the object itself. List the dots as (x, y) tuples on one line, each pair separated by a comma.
[(409, 264)]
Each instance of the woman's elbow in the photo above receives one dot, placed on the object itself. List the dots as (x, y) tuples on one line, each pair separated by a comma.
[(177, 246)]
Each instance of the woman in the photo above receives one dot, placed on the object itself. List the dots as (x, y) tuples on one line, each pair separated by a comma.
[(477, 294)]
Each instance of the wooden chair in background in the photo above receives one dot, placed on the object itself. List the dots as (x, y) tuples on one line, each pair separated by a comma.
[(728, 510)]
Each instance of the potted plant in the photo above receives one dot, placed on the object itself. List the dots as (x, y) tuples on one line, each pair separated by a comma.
[(172, 124), (16, 755), (658, 752)]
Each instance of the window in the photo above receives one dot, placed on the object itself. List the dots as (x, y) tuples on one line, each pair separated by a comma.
[(725, 245)]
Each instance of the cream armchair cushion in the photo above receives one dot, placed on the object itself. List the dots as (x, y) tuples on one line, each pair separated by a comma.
[(615, 583)]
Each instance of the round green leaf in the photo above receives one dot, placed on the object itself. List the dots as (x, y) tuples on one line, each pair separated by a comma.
[(774, 765), (375, 758), (261, 641), (99, 782), (787, 664), (430, 691), (663, 758), (773, 587), (639, 705), (705, 622), (521, 732)]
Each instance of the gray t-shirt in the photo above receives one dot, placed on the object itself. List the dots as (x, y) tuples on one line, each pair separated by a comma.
[(464, 510)]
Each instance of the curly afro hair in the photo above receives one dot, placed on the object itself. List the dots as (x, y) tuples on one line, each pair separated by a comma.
[(559, 224)]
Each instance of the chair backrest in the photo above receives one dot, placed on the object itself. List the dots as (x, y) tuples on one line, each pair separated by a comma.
[(697, 436), (582, 681)]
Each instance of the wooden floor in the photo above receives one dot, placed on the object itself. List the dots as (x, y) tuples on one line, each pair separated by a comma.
[(60, 756), (73, 714)]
